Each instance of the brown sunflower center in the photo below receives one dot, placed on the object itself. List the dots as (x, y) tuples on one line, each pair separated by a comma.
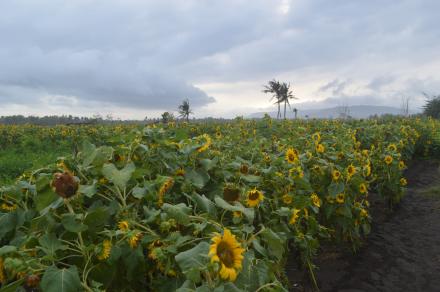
[(226, 254), (231, 194), (254, 195)]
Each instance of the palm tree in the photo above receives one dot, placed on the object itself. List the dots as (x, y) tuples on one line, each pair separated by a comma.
[(185, 110), (274, 87), (285, 95)]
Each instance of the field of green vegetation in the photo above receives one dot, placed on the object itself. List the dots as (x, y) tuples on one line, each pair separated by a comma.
[(193, 206)]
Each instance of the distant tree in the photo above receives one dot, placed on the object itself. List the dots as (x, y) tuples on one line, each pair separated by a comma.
[(274, 87), (167, 117), (295, 111), (432, 106), (185, 110), (285, 95)]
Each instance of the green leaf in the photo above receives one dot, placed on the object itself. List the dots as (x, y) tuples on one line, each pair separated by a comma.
[(194, 260), (97, 219), (205, 204), (50, 244), (275, 244), (248, 212), (88, 153), (7, 249), (179, 212), (8, 222), (61, 280), (88, 190), (336, 188), (251, 178), (12, 287), (139, 192), (197, 178), (208, 164), (119, 177), (72, 224)]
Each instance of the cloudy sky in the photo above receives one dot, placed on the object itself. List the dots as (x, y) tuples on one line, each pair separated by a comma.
[(133, 58)]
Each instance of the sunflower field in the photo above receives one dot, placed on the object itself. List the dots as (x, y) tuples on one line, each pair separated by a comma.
[(199, 206)]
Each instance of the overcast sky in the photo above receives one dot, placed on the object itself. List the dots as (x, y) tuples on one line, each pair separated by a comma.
[(133, 58)]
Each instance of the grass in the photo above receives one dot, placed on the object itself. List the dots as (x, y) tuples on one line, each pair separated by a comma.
[(13, 162)]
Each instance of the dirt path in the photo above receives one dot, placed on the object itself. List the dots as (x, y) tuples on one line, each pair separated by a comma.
[(402, 252)]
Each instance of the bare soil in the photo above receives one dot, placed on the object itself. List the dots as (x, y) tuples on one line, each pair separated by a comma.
[(402, 252)]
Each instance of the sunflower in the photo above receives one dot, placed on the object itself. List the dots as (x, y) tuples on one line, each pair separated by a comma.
[(320, 148), (340, 198), (2, 272), (105, 250), (123, 226), (351, 170), (8, 207), (180, 172), (165, 187), (237, 214), (231, 193), (392, 147), (133, 240), (227, 251), (363, 188), (315, 200), (206, 145), (292, 155), (401, 165), (287, 199), (316, 137), (294, 216), (363, 213), (367, 170), (336, 175), (244, 168), (254, 197), (388, 159), (403, 181)]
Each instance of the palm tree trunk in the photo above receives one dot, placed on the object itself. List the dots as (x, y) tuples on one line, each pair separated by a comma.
[(279, 111), (285, 103)]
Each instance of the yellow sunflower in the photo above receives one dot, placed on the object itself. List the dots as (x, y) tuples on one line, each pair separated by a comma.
[(392, 147), (105, 250), (123, 225), (315, 200), (403, 181), (363, 188), (207, 143), (133, 240), (287, 199), (351, 170), (402, 165), (340, 198), (363, 213), (367, 170), (388, 159), (336, 175), (292, 155), (227, 251), (316, 137), (254, 197), (320, 148), (295, 216)]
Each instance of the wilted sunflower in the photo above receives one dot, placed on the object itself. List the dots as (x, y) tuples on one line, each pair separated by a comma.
[(315, 200), (227, 251), (244, 168), (65, 184), (292, 155), (388, 159), (294, 216), (254, 197), (340, 198), (231, 193), (336, 175)]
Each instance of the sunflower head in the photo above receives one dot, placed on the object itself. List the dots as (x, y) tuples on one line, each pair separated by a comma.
[(287, 199), (228, 253), (351, 170), (244, 168), (231, 193), (316, 137), (292, 155), (295, 215), (363, 188), (388, 159), (123, 225), (336, 175), (65, 185), (392, 147), (367, 170), (254, 197), (105, 250), (340, 198), (402, 165), (320, 148), (315, 200), (403, 182)]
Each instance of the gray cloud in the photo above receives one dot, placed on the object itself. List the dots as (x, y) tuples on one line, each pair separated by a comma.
[(149, 54)]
